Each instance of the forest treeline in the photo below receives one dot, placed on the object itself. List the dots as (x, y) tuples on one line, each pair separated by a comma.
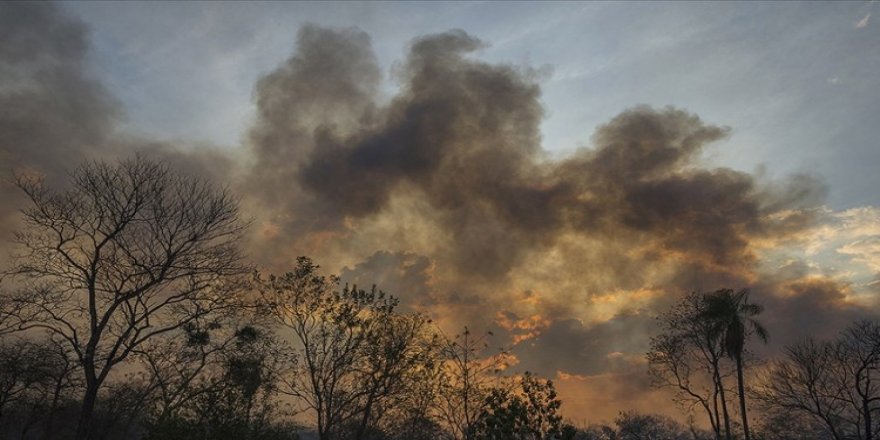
[(128, 311)]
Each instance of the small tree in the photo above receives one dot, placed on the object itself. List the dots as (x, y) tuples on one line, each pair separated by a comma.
[(23, 368), (352, 350), (232, 394), (530, 412), (467, 376), (633, 426), (128, 252), (36, 378)]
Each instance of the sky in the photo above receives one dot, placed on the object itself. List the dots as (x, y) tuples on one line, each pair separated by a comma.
[(558, 173)]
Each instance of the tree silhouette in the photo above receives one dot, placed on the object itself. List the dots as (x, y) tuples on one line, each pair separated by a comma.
[(235, 396), (687, 356), (130, 251), (733, 319), (468, 376), (353, 352), (529, 412), (834, 383)]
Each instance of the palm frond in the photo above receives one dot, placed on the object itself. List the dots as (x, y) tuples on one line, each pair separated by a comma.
[(760, 330), (750, 309)]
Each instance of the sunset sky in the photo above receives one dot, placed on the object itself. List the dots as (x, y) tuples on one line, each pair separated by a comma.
[(557, 173)]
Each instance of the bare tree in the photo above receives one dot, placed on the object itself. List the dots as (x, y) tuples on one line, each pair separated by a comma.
[(835, 383), (858, 356), (129, 252), (804, 382), (10, 312)]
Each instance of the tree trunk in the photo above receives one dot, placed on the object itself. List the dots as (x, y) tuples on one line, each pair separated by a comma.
[(742, 396), (84, 426), (362, 428), (866, 409), (50, 417), (720, 385), (714, 415), (322, 425)]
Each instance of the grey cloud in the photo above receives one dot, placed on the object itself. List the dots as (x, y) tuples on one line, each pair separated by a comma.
[(404, 275), (53, 113), (570, 346)]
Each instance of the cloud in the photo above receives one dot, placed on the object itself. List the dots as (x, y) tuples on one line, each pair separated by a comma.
[(408, 276), (444, 194), (840, 245), (618, 345), (864, 21)]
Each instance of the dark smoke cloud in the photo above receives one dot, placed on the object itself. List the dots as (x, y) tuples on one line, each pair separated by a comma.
[(53, 113), (805, 306), (464, 136), (329, 84)]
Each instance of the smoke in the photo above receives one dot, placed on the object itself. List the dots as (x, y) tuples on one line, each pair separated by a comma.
[(461, 141), (443, 194), (329, 84), (55, 113)]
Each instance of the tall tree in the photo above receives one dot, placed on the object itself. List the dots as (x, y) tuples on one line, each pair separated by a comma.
[(733, 318), (129, 251), (399, 349), (687, 356)]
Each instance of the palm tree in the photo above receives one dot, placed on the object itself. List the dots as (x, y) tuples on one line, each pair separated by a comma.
[(733, 318)]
